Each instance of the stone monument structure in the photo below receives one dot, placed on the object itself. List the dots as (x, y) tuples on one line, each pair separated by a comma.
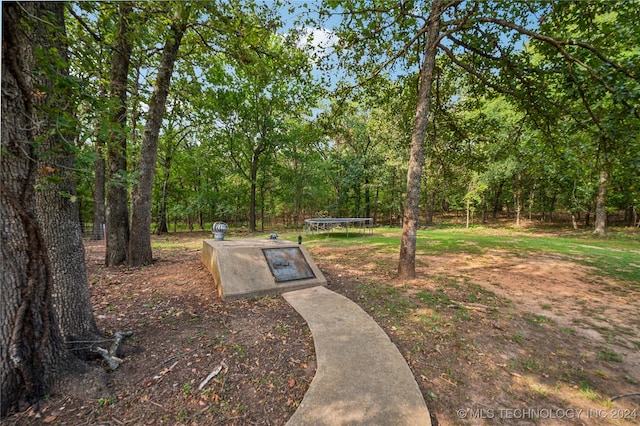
[(252, 267)]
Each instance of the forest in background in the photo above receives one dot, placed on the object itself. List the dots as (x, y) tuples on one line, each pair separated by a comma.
[(254, 135), (134, 115)]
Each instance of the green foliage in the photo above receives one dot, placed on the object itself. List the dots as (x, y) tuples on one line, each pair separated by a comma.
[(518, 126)]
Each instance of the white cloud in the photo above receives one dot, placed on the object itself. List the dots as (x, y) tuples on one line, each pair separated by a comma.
[(318, 41)]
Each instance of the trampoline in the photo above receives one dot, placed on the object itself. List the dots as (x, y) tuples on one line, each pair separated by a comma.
[(323, 224)]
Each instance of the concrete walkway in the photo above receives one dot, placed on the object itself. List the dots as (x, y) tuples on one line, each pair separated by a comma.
[(361, 377)]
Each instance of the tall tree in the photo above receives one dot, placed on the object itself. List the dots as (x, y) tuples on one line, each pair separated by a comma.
[(56, 197), (89, 26), (32, 350), (407, 261), (117, 211), (482, 39), (268, 85), (140, 252)]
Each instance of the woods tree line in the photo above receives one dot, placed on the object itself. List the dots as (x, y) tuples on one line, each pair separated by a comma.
[(133, 115)]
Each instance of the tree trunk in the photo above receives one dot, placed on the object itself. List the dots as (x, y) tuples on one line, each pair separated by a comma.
[(517, 197), (375, 208), (99, 184), (98, 195), (162, 215), (601, 203), (32, 350), (367, 197), (252, 201), (496, 202), (56, 203), (262, 204), (254, 177), (140, 237), (117, 212), (431, 207), (162, 220), (407, 262), (532, 195)]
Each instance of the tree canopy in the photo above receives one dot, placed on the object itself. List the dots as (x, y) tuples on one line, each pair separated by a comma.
[(271, 119), (140, 116)]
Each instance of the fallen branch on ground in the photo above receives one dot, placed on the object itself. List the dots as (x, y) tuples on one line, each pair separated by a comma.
[(213, 374), (110, 355), (113, 361), (469, 306), (165, 371), (625, 395)]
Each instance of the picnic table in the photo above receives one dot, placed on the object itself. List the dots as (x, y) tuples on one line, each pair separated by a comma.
[(319, 224)]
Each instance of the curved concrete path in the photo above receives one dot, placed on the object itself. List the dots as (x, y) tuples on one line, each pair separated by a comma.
[(361, 377)]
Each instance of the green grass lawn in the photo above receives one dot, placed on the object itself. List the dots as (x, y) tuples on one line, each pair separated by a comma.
[(459, 336), (616, 255)]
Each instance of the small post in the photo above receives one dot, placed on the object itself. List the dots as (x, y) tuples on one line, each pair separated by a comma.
[(299, 239)]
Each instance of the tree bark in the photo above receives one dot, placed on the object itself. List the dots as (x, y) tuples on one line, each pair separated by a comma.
[(99, 183), (117, 211), (140, 252), (601, 203), (32, 351), (496, 201), (162, 214), (407, 262), (56, 198), (98, 195), (252, 200)]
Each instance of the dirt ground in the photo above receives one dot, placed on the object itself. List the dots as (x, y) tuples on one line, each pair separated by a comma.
[(491, 339)]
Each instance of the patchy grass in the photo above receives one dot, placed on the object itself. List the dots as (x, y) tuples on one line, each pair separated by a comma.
[(616, 255), (499, 319), (471, 342)]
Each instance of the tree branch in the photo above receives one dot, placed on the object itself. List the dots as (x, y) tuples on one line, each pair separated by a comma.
[(558, 44), (475, 73), (84, 25), (603, 58)]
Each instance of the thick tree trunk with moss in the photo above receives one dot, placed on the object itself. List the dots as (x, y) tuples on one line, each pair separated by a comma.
[(407, 262), (32, 351)]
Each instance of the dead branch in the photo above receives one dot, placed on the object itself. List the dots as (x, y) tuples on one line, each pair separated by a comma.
[(213, 374), (625, 395), (120, 336), (110, 356), (165, 371), (113, 361), (470, 306)]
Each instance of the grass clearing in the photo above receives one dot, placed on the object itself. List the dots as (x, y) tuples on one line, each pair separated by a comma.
[(615, 255), (465, 319), (487, 319)]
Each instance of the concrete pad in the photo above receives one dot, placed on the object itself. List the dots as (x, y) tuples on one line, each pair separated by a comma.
[(251, 267), (361, 377)]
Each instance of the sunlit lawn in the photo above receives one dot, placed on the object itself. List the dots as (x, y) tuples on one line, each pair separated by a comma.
[(616, 255)]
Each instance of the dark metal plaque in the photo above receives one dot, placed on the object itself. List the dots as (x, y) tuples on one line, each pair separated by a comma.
[(288, 264)]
